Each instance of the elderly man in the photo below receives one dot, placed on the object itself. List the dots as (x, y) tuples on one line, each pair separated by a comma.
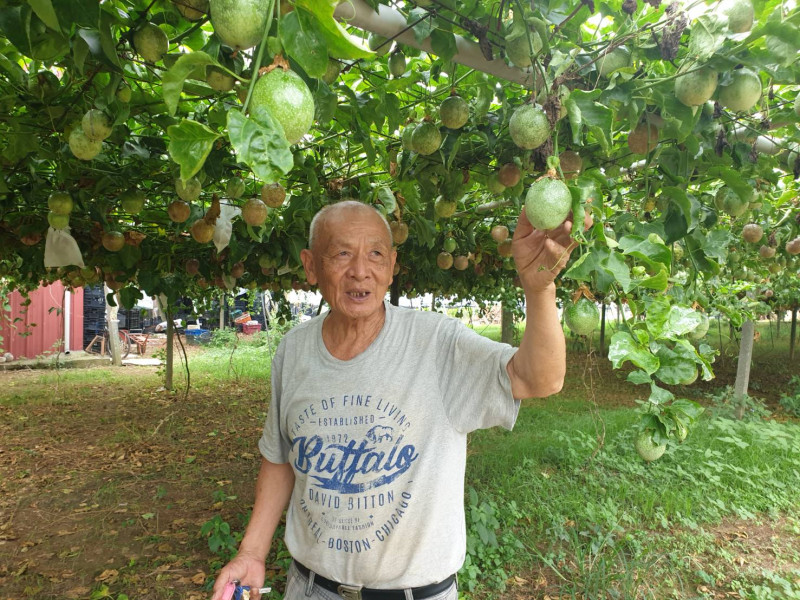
[(366, 435)]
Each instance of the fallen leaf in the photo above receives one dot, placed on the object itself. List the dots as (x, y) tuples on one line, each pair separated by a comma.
[(109, 575), (199, 578), (78, 592)]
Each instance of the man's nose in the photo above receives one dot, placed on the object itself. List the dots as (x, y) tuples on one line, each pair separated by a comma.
[(358, 266)]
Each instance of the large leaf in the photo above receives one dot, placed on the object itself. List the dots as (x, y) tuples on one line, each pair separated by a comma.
[(676, 367), (443, 44), (189, 145), (340, 43), (624, 348), (734, 180), (174, 78), (44, 10), (583, 109), (304, 41), (707, 35), (651, 249), (421, 24), (261, 143)]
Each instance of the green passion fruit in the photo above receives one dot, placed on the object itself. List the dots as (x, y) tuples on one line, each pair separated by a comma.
[(426, 138), (239, 24), (529, 127), (287, 98), (454, 112), (647, 448), (582, 317), (547, 203), (694, 87)]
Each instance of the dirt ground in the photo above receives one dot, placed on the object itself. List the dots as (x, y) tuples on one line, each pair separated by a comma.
[(104, 486)]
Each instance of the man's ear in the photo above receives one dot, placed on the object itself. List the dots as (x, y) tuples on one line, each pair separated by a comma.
[(394, 261), (308, 264)]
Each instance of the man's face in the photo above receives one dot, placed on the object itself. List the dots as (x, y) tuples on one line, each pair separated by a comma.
[(352, 262)]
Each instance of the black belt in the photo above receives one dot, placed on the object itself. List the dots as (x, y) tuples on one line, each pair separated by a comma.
[(350, 592)]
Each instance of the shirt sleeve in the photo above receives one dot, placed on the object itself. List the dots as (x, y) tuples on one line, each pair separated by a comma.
[(475, 386), (274, 444)]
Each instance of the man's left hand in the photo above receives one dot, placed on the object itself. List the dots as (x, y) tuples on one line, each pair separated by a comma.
[(540, 254)]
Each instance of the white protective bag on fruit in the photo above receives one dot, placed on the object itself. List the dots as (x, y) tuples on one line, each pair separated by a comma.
[(223, 227), (61, 249)]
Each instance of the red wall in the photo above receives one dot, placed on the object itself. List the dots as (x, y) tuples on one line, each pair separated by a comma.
[(46, 326)]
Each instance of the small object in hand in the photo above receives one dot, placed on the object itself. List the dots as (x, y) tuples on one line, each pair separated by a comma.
[(235, 591)]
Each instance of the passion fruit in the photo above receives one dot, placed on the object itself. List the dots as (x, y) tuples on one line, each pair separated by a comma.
[(96, 125), (444, 208), (192, 10), (132, 201), (189, 191), (529, 127), (647, 448), (239, 24), (582, 317), (426, 138), (454, 112), (509, 174), (81, 146), (742, 92), (150, 42), (547, 203), (254, 212), (113, 241), (740, 14), (694, 87), (571, 164), (752, 232), (643, 139), (179, 211), (444, 260), (287, 98), (518, 48), (60, 203), (202, 231), (273, 194)]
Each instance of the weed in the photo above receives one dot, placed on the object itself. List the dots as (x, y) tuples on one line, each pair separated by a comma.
[(221, 541), (726, 404), (487, 554), (790, 401)]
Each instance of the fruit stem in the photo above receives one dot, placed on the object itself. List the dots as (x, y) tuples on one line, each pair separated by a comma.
[(260, 56)]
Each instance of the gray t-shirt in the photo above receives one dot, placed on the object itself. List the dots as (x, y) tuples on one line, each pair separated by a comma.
[(378, 445)]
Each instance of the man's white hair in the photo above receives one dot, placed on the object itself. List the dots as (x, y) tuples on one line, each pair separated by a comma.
[(327, 210)]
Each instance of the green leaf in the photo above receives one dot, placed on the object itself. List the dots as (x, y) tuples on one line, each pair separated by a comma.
[(129, 296), (734, 180), (623, 348), (190, 143), (107, 40), (692, 410), (340, 43), (304, 42), (260, 142), (443, 44), (423, 24), (386, 197), (174, 78), (659, 395), (707, 35), (44, 10), (583, 109), (651, 249), (639, 377), (85, 13), (675, 366)]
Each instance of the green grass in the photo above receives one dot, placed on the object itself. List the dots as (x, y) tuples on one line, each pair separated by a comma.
[(598, 522)]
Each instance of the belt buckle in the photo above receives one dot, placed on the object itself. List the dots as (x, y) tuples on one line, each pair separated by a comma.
[(349, 592)]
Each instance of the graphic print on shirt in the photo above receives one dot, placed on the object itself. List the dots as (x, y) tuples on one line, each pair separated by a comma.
[(355, 451)]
